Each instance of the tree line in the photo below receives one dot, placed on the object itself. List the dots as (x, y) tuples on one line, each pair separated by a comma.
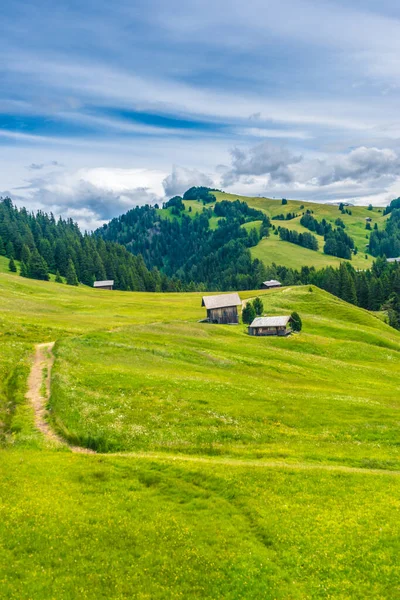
[(337, 241), (45, 245), (307, 240), (374, 289), (386, 242), (188, 248)]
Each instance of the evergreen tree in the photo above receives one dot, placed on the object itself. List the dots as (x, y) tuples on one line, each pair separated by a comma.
[(248, 313), (11, 266), (297, 323), (58, 278), (37, 267), (25, 254), (24, 270), (347, 285), (71, 274), (10, 252), (258, 306), (2, 247)]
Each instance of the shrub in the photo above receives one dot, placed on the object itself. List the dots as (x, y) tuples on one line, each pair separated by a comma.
[(11, 266), (248, 313), (296, 321), (258, 306)]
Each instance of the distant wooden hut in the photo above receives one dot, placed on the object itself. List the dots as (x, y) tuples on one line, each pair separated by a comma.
[(272, 283), (104, 285), (270, 326), (222, 309)]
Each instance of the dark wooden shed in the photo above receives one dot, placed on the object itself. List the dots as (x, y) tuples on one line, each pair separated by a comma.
[(272, 283), (270, 326), (222, 308), (104, 285)]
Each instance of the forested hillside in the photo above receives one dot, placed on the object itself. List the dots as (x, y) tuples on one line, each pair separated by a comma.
[(387, 242), (204, 244), (208, 248), (44, 244)]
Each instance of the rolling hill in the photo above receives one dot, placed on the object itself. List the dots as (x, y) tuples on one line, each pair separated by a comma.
[(275, 250), (227, 466)]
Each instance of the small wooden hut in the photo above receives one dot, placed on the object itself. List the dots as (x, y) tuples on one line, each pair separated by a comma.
[(104, 285), (222, 309), (270, 326), (272, 283)]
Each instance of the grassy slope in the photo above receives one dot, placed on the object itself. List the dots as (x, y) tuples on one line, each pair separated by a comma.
[(275, 250), (151, 527), (194, 388), (110, 528)]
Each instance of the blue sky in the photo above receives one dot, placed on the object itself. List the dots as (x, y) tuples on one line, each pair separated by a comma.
[(107, 105)]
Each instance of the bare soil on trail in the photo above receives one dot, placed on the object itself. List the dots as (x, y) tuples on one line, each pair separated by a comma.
[(38, 394)]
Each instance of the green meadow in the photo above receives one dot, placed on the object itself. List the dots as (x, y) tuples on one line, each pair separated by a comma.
[(226, 466), (275, 250)]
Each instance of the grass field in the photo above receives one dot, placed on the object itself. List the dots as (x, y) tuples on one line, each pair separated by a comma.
[(195, 389), (273, 250), (257, 468)]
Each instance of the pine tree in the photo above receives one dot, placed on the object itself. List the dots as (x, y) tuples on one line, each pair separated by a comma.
[(71, 274), (25, 254), (258, 306), (11, 266), (347, 285), (58, 278), (10, 253), (37, 267), (248, 313), (297, 323), (24, 270)]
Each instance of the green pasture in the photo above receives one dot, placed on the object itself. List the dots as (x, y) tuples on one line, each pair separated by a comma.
[(202, 389), (275, 250), (91, 527), (257, 468)]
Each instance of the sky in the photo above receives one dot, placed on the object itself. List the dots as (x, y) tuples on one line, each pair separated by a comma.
[(109, 105)]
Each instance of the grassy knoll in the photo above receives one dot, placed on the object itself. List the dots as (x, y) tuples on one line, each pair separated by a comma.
[(280, 252), (40, 311), (92, 527), (260, 468), (196, 388)]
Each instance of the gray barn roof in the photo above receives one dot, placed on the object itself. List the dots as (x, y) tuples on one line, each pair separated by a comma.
[(270, 322), (393, 260), (272, 282), (221, 301), (103, 283)]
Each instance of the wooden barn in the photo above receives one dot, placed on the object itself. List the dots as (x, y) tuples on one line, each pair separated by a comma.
[(222, 308), (270, 326), (104, 285), (272, 283)]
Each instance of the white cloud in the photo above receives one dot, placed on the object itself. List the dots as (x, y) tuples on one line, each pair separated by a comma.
[(181, 179), (263, 159), (93, 196)]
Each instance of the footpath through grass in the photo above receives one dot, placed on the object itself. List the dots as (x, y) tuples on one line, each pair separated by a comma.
[(138, 372), (328, 395)]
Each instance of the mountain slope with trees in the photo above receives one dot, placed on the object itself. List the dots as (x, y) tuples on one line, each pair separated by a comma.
[(45, 245)]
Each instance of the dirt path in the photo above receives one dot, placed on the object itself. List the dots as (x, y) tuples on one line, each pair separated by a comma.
[(251, 463), (38, 394)]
